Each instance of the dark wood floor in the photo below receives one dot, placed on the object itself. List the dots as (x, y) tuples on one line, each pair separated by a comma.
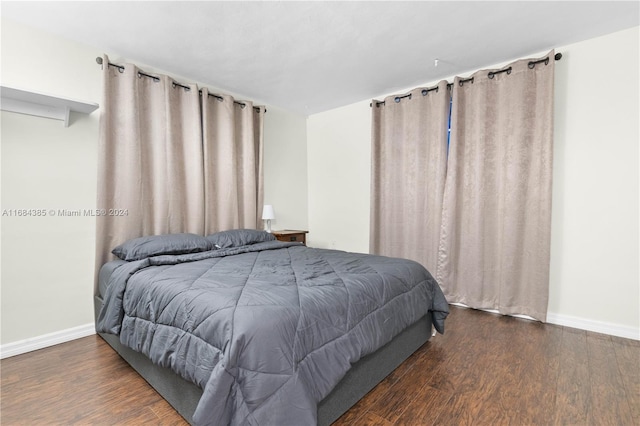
[(486, 369)]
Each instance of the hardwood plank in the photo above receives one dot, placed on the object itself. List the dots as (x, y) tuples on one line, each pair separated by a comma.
[(506, 367), (360, 409), (530, 360), (425, 407), (400, 394), (79, 382), (473, 408), (166, 414), (538, 384), (609, 399), (370, 419), (452, 353), (573, 392), (628, 357)]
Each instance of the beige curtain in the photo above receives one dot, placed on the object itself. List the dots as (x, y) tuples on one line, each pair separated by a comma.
[(158, 174), (233, 149), (409, 155), (496, 228)]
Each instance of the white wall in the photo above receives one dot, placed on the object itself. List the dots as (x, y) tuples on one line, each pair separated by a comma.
[(339, 168), (594, 248), (285, 168), (594, 280), (48, 263)]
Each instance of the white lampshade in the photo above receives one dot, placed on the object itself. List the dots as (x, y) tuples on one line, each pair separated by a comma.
[(268, 213)]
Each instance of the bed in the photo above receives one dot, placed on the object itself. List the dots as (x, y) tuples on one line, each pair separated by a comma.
[(237, 328)]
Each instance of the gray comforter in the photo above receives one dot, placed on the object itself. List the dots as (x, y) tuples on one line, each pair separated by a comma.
[(266, 330)]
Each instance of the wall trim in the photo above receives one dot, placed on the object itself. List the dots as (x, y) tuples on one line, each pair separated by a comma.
[(579, 323), (596, 326), (46, 340)]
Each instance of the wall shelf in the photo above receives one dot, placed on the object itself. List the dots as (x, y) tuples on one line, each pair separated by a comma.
[(42, 105)]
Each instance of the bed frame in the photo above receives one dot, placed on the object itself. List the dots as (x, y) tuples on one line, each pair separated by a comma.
[(359, 380)]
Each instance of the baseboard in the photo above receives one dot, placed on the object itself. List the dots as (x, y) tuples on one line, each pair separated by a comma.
[(581, 323), (595, 326), (46, 340)]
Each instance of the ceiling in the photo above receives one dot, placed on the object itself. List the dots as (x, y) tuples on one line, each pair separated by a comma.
[(309, 57)]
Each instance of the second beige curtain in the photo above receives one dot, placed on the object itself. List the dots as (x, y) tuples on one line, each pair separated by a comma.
[(409, 157), (496, 228), (477, 216)]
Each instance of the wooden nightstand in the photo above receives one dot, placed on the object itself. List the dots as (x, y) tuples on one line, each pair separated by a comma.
[(288, 235)]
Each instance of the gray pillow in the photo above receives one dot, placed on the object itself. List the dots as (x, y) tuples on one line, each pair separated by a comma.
[(238, 237), (156, 245)]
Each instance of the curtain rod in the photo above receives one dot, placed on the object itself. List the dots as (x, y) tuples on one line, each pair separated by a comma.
[(99, 60), (490, 74)]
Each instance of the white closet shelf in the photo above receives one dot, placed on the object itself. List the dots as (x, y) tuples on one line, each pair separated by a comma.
[(42, 105)]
